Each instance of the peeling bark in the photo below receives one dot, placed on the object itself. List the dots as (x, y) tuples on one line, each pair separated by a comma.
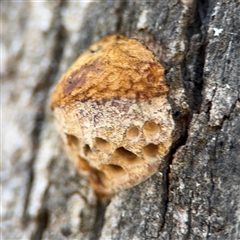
[(195, 194)]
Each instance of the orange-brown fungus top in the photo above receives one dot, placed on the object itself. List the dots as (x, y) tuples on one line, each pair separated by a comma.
[(115, 67)]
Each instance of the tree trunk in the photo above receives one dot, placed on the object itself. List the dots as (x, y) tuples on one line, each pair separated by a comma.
[(196, 195)]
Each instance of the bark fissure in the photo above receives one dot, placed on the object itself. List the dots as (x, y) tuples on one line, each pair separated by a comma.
[(193, 75), (210, 204), (189, 223), (43, 88), (99, 219), (42, 223), (170, 157), (120, 12), (35, 140)]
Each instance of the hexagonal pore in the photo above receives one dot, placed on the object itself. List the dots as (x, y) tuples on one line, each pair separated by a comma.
[(72, 140), (86, 149), (150, 151), (102, 145), (151, 130), (113, 170), (132, 133), (98, 178), (83, 164), (123, 155)]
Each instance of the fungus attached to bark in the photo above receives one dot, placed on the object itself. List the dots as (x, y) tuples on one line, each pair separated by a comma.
[(112, 112)]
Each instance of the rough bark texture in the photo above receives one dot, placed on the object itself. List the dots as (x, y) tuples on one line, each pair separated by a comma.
[(196, 195)]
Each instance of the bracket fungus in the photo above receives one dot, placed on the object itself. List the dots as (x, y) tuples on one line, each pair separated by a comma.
[(112, 112)]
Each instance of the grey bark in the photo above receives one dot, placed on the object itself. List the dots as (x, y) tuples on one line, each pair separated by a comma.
[(196, 195)]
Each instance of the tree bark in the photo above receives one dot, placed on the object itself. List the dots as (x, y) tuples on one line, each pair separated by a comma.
[(196, 195)]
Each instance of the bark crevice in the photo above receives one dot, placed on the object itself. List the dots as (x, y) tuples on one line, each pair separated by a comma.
[(101, 207), (42, 89)]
